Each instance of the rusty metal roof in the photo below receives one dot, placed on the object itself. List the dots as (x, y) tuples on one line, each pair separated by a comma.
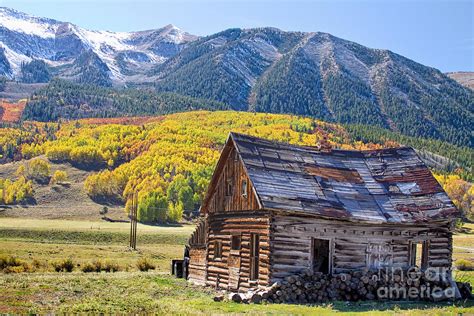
[(386, 186)]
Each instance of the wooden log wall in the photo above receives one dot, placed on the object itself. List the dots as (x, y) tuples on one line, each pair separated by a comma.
[(197, 265), (232, 175), (198, 253), (353, 246), (232, 270)]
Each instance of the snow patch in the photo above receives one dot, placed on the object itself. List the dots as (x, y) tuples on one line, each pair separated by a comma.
[(15, 60), (27, 24)]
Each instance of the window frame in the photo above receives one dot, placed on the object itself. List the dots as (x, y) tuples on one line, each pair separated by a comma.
[(425, 252), (239, 244), (228, 188), (217, 255), (244, 188)]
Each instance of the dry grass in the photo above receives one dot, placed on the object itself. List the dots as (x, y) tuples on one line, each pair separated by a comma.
[(52, 240), (155, 292)]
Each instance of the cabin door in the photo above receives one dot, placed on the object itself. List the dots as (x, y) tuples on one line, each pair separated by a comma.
[(254, 256), (233, 262), (321, 257)]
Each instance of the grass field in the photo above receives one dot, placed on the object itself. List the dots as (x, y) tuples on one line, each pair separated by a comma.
[(84, 241), (130, 291)]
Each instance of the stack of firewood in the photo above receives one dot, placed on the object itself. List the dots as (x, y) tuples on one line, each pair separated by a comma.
[(358, 285)]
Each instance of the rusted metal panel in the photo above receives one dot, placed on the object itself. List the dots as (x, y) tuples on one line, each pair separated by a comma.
[(388, 185)]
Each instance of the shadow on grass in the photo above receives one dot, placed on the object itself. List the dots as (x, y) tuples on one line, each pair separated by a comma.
[(107, 201), (24, 204), (163, 224)]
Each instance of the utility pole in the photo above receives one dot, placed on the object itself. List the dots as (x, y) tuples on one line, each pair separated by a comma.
[(133, 221)]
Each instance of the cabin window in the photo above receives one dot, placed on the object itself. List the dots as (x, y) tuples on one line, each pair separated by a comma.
[(419, 254), (321, 256), (228, 190), (236, 242), (254, 256), (244, 188), (217, 249)]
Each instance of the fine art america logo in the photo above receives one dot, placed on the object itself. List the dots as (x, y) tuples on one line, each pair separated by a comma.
[(431, 283)]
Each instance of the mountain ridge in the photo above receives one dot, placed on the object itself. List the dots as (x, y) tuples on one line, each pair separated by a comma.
[(465, 78), (26, 37), (317, 74), (264, 70)]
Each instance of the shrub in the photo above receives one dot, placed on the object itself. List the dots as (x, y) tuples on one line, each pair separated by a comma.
[(98, 266), (64, 265), (13, 192), (464, 265), (14, 269), (58, 177), (36, 264), (104, 211), (21, 171), (3, 262), (10, 264), (144, 264), (110, 266), (88, 267), (38, 169)]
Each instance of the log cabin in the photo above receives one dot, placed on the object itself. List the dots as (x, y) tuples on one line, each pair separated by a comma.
[(273, 210)]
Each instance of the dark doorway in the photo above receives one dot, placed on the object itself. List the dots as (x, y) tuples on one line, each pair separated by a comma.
[(254, 256), (321, 255)]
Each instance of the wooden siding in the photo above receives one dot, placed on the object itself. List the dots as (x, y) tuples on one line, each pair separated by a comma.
[(353, 246), (232, 174), (198, 253), (197, 265), (232, 270)]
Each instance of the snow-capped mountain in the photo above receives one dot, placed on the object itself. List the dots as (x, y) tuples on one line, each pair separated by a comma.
[(259, 69), (125, 55)]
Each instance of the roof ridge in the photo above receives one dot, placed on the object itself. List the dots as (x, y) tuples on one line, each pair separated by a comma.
[(314, 148)]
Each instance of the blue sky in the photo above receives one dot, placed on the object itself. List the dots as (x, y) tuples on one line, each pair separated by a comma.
[(435, 33)]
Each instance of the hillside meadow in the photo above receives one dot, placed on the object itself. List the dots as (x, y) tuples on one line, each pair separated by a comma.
[(41, 243)]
